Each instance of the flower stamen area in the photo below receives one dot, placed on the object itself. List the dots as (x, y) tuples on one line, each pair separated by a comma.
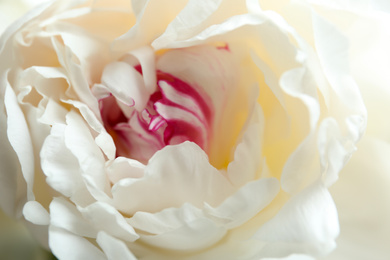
[(176, 112)]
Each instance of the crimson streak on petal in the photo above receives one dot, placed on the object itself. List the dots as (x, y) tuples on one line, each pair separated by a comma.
[(175, 113)]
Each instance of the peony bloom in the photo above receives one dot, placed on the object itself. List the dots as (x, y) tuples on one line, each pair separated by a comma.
[(168, 129)]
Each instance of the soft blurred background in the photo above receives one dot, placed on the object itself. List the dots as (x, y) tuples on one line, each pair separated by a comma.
[(16, 242)]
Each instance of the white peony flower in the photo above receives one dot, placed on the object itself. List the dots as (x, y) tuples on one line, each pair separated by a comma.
[(168, 129)]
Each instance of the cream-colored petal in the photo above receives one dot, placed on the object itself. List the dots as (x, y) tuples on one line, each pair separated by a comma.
[(246, 163), (104, 217), (19, 137), (79, 141), (123, 167), (62, 168), (142, 32), (329, 42), (66, 245), (306, 224), (34, 212), (114, 249), (65, 215), (9, 167), (243, 205), (126, 84), (103, 139), (174, 175), (185, 228)]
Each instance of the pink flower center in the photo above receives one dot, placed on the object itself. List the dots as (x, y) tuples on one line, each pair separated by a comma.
[(176, 112)]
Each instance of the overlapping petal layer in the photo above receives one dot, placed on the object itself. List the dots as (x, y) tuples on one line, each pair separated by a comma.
[(211, 133)]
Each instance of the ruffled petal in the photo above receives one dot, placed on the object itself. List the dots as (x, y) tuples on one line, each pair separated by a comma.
[(114, 249), (61, 241), (181, 229), (19, 137), (245, 203), (106, 218), (62, 168), (306, 224), (175, 175), (34, 212), (79, 141)]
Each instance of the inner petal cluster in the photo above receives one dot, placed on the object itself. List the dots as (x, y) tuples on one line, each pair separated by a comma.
[(176, 112)]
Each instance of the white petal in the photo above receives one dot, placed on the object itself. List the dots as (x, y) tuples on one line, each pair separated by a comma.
[(253, 6), (174, 175), (66, 245), (146, 58), (297, 84), (65, 215), (245, 203), (106, 218), (34, 212), (43, 78), (302, 167), (126, 84), (33, 13), (212, 31), (9, 167), (79, 141), (122, 168), (53, 113), (76, 75), (334, 151), (270, 77), (332, 48), (166, 220), (113, 248), (59, 164), (146, 11), (247, 154), (179, 229), (188, 21), (19, 137), (195, 235), (306, 224), (103, 140)]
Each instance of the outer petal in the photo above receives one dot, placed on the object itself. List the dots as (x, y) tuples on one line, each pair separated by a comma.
[(246, 163), (19, 137), (146, 12), (211, 223), (59, 164), (9, 167), (65, 216), (181, 229), (66, 245), (79, 141), (306, 224), (113, 248), (329, 41), (35, 213), (175, 175), (106, 218), (245, 203)]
